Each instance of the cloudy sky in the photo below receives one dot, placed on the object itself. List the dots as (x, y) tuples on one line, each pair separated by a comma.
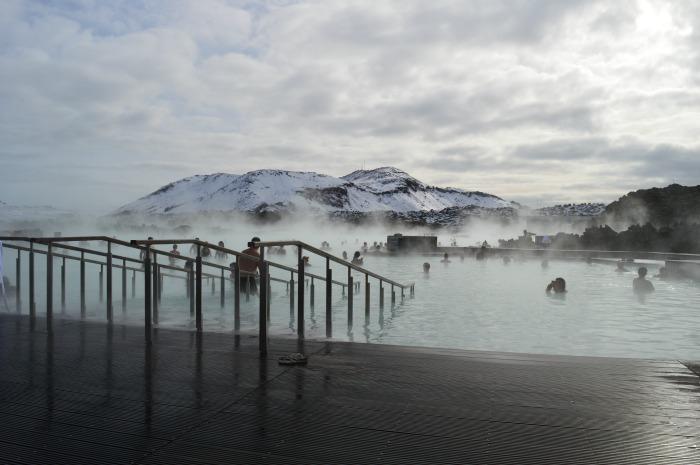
[(536, 101)]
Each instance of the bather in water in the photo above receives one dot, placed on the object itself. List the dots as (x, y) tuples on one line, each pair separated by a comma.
[(640, 284), (557, 286)]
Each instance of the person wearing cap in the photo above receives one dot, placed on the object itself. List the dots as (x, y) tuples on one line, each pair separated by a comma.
[(249, 267)]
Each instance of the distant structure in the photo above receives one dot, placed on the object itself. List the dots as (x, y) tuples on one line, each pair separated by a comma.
[(401, 243)]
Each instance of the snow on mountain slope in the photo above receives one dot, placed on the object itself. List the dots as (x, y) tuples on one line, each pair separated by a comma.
[(383, 189)]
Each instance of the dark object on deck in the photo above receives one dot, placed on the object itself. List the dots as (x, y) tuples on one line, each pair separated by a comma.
[(401, 243), (293, 359)]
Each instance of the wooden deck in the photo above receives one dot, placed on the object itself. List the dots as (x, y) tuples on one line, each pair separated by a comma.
[(90, 393)]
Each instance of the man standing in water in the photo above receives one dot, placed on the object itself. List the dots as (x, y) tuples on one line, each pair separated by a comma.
[(249, 267), (641, 284)]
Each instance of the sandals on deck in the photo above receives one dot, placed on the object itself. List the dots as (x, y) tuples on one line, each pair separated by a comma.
[(293, 359)]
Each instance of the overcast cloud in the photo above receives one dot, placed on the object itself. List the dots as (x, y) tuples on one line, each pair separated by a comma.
[(536, 101)]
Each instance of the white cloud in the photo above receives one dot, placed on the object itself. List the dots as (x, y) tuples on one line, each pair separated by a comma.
[(500, 96)]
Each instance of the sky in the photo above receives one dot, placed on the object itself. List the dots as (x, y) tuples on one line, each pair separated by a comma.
[(541, 101)]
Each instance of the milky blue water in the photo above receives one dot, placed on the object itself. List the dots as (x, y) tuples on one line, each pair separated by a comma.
[(464, 304)]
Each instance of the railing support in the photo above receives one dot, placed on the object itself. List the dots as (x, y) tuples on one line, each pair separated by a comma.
[(63, 285), (393, 296), (381, 294), (49, 285), (300, 293), (312, 295), (18, 281), (133, 284), (83, 306), (367, 297), (148, 298), (190, 284), (198, 291), (32, 302), (100, 275), (222, 290), (236, 297), (329, 290), (156, 286), (109, 282), (262, 314), (291, 298), (351, 292), (124, 286)]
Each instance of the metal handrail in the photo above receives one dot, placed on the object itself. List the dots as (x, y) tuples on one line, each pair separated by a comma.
[(153, 282), (333, 258)]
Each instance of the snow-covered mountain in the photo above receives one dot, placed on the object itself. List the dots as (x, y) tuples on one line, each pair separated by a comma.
[(381, 189)]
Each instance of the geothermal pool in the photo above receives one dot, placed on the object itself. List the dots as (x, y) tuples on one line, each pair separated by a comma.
[(477, 305)]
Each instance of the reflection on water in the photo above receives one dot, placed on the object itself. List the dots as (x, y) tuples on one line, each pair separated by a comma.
[(470, 304)]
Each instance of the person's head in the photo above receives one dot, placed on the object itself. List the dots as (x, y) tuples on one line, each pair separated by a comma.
[(174, 246), (221, 243), (559, 285), (150, 238), (196, 238), (345, 254), (305, 258), (426, 267), (642, 271), (253, 244), (356, 254)]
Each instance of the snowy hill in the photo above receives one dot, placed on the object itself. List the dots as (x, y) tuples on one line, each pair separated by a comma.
[(382, 189)]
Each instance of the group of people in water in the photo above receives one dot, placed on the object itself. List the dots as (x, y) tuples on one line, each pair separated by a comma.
[(640, 285)]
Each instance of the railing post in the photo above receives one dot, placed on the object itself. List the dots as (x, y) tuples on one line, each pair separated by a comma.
[(18, 281), (222, 290), (366, 297), (351, 292), (381, 294), (236, 297), (32, 302), (156, 287), (49, 284), (329, 290), (148, 298), (109, 282), (291, 297), (312, 295), (213, 286), (402, 294), (100, 275), (63, 285), (198, 290), (161, 281), (83, 306), (190, 285), (393, 296), (124, 286), (300, 293), (262, 314), (133, 284)]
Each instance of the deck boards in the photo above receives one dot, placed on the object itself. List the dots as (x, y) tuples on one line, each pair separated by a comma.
[(90, 393)]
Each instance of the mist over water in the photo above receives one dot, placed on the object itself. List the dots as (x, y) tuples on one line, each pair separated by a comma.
[(465, 304)]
